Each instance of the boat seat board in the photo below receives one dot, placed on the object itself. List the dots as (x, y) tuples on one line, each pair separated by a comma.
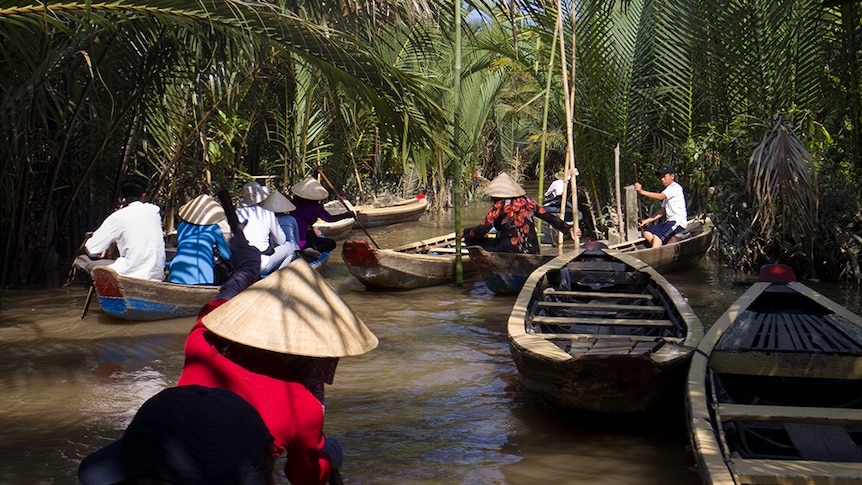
[(602, 266), (803, 471), (798, 414), (598, 294), (789, 332), (599, 306), (823, 443), (591, 336), (788, 364), (602, 321)]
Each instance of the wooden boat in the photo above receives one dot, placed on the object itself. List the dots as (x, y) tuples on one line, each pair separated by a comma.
[(383, 215), (505, 273), (419, 264), (139, 299), (597, 330), (775, 388), (337, 230)]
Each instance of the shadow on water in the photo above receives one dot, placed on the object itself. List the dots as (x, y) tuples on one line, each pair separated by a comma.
[(438, 402)]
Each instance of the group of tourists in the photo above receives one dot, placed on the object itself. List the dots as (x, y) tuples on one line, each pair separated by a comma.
[(256, 362)]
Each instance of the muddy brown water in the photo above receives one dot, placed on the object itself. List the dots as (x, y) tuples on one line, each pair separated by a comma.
[(438, 402)]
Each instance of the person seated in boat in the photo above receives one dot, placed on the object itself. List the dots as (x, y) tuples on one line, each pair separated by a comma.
[(555, 190), (200, 241), (307, 197), (282, 207), (672, 208), (262, 230), (513, 216), (269, 345), (136, 229), (185, 435)]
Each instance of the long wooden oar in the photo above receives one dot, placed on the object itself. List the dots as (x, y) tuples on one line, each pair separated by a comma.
[(346, 207), (87, 303)]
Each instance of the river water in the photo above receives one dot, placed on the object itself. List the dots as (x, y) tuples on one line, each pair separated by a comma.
[(438, 402)]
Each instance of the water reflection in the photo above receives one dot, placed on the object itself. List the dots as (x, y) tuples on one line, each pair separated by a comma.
[(437, 402)]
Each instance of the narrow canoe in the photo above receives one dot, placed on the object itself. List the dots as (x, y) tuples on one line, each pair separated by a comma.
[(505, 273), (401, 211), (419, 264), (337, 230), (139, 299), (775, 388), (600, 331)]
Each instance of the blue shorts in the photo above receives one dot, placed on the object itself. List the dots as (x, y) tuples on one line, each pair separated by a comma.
[(664, 230)]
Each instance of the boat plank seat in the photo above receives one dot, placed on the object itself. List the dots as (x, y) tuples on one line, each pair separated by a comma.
[(823, 443), (592, 336), (597, 294), (446, 250), (797, 471), (627, 322), (786, 364), (789, 332), (597, 266), (599, 306), (796, 414)]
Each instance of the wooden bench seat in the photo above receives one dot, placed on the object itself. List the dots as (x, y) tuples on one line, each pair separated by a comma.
[(800, 471), (787, 364), (592, 336), (813, 415), (597, 294), (626, 322), (602, 306)]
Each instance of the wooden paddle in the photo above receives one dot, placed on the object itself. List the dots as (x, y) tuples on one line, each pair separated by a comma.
[(229, 210), (346, 207)]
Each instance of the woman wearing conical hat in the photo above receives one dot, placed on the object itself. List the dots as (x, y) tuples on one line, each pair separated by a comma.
[(198, 237), (263, 230), (513, 214), (307, 197), (275, 344)]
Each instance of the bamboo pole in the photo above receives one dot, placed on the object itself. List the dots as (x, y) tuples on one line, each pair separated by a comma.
[(621, 227), (570, 153), (456, 122)]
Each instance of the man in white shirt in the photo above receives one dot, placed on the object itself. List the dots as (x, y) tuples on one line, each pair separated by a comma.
[(263, 230), (672, 206), (136, 228)]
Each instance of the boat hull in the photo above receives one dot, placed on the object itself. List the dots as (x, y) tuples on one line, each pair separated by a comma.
[(505, 273), (774, 389), (421, 264), (617, 341), (406, 211), (140, 300)]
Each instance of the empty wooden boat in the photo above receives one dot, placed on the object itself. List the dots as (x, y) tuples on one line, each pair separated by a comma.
[(598, 330), (428, 262), (775, 389)]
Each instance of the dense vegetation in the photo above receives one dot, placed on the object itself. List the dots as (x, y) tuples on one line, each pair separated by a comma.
[(756, 102)]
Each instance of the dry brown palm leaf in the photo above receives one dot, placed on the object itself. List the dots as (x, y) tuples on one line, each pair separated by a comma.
[(782, 182)]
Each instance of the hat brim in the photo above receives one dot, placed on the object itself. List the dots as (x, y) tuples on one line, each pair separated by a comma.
[(106, 466), (292, 311)]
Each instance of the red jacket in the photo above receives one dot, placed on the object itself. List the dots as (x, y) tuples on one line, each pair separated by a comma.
[(292, 414)]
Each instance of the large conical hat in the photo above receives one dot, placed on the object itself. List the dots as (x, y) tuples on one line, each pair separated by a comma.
[(278, 203), (252, 194), (292, 311), (310, 189), (503, 187), (203, 210)]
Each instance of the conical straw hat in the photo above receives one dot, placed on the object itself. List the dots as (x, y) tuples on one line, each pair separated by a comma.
[(203, 210), (503, 186), (252, 194), (292, 311), (278, 203), (310, 189)]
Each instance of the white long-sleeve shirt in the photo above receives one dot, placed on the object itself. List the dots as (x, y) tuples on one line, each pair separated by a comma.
[(137, 230)]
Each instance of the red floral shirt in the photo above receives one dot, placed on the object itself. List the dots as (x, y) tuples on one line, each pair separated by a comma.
[(515, 221)]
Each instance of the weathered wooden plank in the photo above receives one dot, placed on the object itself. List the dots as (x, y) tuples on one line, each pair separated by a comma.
[(817, 365), (822, 443), (597, 294), (782, 472), (592, 336), (600, 306), (627, 322), (812, 415)]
